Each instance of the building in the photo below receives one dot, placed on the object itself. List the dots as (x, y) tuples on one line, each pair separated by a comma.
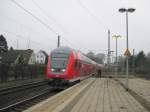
[(41, 57), (18, 57)]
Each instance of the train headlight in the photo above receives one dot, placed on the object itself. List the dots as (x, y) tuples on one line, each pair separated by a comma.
[(63, 70), (52, 70)]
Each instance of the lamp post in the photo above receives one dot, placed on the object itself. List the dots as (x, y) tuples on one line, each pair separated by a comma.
[(116, 61), (111, 59), (129, 10)]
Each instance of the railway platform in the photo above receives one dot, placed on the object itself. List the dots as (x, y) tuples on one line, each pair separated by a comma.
[(92, 95), (139, 88)]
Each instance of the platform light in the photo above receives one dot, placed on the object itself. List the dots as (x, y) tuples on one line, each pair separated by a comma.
[(129, 10)]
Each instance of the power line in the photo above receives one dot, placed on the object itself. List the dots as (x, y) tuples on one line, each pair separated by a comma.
[(50, 17), (22, 25), (39, 20), (43, 11), (35, 17), (70, 43), (91, 14), (22, 37)]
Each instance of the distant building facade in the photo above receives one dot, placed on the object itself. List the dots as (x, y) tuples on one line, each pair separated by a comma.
[(41, 57), (13, 57)]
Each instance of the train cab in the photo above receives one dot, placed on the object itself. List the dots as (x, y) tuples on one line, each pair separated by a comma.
[(61, 64), (66, 65)]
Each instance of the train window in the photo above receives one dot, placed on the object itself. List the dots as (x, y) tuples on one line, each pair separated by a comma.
[(59, 60), (59, 55)]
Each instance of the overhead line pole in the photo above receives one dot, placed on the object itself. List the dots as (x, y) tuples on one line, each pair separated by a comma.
[(108, 55), (58, 42), (133, 62), (108, 59)]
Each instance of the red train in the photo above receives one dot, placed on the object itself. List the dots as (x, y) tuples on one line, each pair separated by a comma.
[(66, 65)]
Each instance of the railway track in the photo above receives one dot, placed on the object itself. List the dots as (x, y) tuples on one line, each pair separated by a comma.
[(26, 103), (17, 99), (21, 87)]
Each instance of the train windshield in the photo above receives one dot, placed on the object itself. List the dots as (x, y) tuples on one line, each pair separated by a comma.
[(59, 60)]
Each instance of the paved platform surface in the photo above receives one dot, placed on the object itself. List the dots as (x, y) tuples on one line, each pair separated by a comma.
[(106, 95), (140, 86), (59, 101), (102, 95)]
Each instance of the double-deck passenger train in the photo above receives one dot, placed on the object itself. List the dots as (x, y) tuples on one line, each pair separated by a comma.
[(66, 65)]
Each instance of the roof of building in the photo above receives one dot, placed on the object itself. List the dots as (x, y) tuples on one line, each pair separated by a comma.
[(12, 55), (41, 51)]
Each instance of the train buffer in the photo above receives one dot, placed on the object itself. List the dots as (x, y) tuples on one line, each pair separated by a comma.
[(91, 95)]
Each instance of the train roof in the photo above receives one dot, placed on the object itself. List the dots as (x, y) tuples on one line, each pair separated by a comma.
[(63, 49), (67, 50), (86, 59)]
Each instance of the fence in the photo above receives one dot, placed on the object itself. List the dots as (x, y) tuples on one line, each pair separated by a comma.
[(143, 72), (21, 72)]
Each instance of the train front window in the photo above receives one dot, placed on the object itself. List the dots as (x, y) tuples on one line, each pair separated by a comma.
[(59, 60)]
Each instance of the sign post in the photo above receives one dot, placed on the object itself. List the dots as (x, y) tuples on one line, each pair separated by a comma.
[(127, 54)]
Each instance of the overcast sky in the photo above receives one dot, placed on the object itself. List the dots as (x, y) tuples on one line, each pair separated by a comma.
[(82, 24)]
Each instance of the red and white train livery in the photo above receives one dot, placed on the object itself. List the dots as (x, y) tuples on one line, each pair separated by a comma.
[(67, 65)]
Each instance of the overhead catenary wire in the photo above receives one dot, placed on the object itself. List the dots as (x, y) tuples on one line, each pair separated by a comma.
[(23, 37), (35, 17), (24, 26), (98, 20), (43, 11), (38, 19), (27, 27), (70, 43), (50, 17)]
